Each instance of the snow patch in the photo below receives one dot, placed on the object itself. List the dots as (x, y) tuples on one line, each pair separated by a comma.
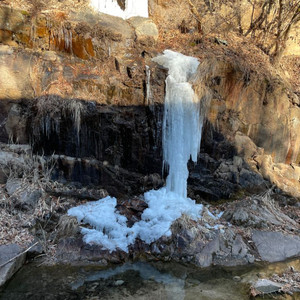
[(133, 8)]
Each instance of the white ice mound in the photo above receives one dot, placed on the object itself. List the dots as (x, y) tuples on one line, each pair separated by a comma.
[(110, 229), (133, 8)]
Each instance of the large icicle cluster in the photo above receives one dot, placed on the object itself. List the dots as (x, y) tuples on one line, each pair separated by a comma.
[(133, 8), (181, 141)]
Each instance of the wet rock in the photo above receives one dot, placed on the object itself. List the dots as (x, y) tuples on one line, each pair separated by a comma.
[(7, 270), (237, 278), (265, 286), (36, 250), (201, 246), (73, 249), (276, 246)]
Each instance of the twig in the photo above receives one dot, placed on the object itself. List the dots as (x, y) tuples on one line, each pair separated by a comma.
[(18, 255)]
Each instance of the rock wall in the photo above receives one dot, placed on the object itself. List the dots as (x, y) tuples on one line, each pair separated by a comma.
[(253, 116)]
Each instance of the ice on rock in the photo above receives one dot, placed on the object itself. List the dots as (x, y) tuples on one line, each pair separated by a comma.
[(182, 127), (133, 8)]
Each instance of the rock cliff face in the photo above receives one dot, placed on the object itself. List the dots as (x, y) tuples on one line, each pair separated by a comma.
[(257, 115), (78, 86)]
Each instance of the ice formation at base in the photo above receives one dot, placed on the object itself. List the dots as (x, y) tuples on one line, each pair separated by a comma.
[(133, 8), (110, 229), (181, 141)]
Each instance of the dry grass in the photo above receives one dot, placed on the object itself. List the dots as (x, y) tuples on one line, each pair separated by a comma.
[(49, 110), (14, 228), (43, 5), (22, 227)]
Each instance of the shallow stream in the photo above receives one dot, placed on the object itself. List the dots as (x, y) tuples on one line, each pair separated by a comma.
[(139, 280)]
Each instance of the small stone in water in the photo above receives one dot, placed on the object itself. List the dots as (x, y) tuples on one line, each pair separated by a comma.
[(237, 278), (119, 282)]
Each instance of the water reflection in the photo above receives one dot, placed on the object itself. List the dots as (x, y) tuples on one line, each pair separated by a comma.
[(138, 281), (174, 286)]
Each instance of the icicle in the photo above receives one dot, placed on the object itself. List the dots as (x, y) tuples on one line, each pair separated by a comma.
[(148, 86)]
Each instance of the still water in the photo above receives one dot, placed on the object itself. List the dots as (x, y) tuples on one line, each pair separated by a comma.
[(140, 280)]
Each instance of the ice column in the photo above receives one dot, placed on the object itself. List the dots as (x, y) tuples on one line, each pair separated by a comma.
[(182, 124)]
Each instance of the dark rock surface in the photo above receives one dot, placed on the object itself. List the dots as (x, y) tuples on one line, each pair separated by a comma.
[(276, 246), (213, 179)]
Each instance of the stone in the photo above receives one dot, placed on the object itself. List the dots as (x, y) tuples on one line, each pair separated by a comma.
[(205, 257), (276, 246), (266, 286), (113, 27), (245, 146), (36, 250), (24, 196), (7, 270), (249, 178), (119, 282), (13, 185), (145, 30)]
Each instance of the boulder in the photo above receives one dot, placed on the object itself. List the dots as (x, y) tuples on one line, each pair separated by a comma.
[(8, 269), (266, 286), (145, 30), (276, 246)]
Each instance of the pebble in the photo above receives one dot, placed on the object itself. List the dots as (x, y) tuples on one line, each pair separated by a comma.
[(119, 282), (237, 278)]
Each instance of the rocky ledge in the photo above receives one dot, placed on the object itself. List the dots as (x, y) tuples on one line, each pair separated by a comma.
[(256, 228)]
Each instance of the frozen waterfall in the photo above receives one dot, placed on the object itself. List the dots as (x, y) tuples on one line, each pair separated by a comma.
[(133, 8), (182, 125), (181, 141)]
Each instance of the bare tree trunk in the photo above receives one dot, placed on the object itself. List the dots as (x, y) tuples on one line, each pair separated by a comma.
[(196, 15)]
